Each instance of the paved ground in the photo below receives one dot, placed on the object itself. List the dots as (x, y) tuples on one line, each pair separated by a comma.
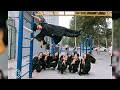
[(100, 70)]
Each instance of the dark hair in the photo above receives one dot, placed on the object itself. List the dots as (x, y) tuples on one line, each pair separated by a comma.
[(58, 53), (89, 52), (49, 52), (34, 27), (77, 54), (41, 52)]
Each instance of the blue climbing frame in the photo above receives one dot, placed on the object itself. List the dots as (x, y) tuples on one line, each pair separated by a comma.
[(20, 46), (85, 42), (52, 47)]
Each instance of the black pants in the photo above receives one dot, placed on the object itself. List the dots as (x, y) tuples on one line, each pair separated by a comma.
[(73, 67), (54, 65), (84, 69), (62, 68), (71, 33), (43, 65), (38, 67)]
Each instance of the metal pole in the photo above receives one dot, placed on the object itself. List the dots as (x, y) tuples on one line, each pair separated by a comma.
[(31, 47), (52, 48), (86, 44), (20, 42), (75, 29), (91, 44)]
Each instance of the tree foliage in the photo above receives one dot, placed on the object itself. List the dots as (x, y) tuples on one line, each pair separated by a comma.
[(91, 25)]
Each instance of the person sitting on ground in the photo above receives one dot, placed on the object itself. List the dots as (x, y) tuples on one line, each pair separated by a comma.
[(92, 58), (53, 31), (47, 59), (70, 58), (54, 60), (74, 64), (62, 65), (37, 63), (85, 64)]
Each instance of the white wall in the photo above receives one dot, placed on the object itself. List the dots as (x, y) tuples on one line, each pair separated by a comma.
[(36, 45)]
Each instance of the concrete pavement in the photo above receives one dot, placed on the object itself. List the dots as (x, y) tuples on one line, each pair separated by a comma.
[(100, 70)]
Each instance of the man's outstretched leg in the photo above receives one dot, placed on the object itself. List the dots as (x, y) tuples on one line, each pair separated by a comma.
[(73, 31), (67, 34)]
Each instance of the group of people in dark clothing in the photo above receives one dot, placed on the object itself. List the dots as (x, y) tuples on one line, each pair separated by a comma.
[(43, 61), (64, 62)]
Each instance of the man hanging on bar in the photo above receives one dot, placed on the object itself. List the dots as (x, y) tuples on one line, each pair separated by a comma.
[(53, 31)]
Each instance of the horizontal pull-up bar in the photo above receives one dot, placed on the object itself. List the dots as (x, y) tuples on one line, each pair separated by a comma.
[(73, 15)]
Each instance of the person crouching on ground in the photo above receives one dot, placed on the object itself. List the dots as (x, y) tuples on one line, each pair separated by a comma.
[(47, 59), (54, 60), (37, 63), (62, 65), (74, 64)]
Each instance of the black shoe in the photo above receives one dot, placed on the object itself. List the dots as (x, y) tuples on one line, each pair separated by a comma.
[(79, 73), (83, 73), (62, 72)]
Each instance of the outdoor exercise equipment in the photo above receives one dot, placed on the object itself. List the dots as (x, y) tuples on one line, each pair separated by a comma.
[(20, 45), (84, 44)]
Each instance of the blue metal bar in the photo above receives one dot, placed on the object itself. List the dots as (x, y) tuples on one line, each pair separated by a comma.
[(31, 46), (52, 48), (20, 42), (27, 19), (25, 56), (25, 65), (91, 44), (86, 43), (25, 47), (26, 38), (25, 74), (80, 48)]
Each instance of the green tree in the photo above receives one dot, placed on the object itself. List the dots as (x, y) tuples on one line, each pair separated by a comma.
[(90, 25)]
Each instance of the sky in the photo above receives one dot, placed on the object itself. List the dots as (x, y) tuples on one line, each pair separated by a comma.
[(65, 20)]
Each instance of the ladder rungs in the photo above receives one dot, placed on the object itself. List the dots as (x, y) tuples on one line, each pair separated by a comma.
[(25, 65), (24, 74), (25, 47)]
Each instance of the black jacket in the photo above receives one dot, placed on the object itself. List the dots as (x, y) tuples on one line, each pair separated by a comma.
[(56, 32)]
